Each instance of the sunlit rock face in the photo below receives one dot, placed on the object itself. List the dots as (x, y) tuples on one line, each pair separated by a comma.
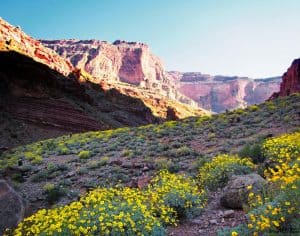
[(128, 62), (131, 68), (221, 93), (15, 38)]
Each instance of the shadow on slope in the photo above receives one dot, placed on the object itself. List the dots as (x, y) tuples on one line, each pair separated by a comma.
[(37, 102)]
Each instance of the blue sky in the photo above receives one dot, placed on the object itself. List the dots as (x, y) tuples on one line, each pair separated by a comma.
[(255, 38)]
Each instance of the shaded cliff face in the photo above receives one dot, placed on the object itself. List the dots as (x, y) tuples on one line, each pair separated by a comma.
[(43, 97), (37, 102), (290, 81), (221, 93), (131, 68)]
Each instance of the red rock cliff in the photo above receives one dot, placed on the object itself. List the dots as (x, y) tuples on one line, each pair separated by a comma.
[(42, 95), (129, 62), (219, 93), (120, 62), (14, 38), (132, 69), (290, 81)]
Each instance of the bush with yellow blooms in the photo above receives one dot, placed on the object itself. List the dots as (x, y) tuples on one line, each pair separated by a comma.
[(120, 211), (216, 173), (277, 210)]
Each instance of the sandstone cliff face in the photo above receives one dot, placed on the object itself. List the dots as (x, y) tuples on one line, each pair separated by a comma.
[(121, 62), (219, 93), (45, 96), (129, 62), (134, 70), (14, 38), (290, 81)]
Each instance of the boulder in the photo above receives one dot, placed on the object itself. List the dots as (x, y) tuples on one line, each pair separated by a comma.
[(140, 182), (12, 207), (143, 181), (235, 194)]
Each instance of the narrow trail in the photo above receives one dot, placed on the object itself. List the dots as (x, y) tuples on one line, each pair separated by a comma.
[(213, 218)]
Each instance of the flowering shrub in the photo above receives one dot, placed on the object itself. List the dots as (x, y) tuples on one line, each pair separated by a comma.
[(177, 192), (277, 210), (217, 172), (119, 211)]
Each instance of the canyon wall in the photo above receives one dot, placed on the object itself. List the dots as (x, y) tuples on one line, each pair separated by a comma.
[(131, 66), (130, 63), (221, 93)]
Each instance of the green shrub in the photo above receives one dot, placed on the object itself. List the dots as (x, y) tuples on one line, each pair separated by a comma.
[(82, 171), (53, 192), (216, 173), (33, 157), (98, 163), (42, 175), (103, 161), (62, 149), (184, 151), (18, 177), (254, 152), (253, 108), (163, 163), (127, 153), (84, 154), (199, 162)]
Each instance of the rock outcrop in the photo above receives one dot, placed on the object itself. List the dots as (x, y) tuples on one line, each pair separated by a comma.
[(45, 96), (290, 81), (221, 93), (131, 68), (128, 62), (12, 207), (235, 194), (14, 38)]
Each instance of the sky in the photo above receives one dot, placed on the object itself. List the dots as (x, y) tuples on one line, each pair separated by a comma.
[(254, 38)]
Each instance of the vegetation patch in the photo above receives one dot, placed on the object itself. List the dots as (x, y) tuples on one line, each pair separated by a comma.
[(276, 211), (120, 210), (216, 173)]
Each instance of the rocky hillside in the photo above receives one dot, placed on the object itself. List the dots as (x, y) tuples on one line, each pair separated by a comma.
[(14, 38), (221, 93), (57, 171), (45, 96), (290, 80), (38, 102)]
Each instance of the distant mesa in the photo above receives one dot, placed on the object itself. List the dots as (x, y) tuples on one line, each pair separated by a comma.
[(221, 93)]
